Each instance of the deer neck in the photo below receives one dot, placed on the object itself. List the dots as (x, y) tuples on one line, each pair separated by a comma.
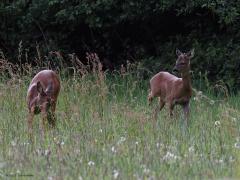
[(186, 79)]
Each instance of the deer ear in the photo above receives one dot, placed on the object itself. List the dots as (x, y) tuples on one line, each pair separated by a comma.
[(49, 88), (178, 52), (190, 54), (40, 88)]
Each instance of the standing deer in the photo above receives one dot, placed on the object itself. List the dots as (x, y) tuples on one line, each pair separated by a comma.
[(42, 98), (172, 90)]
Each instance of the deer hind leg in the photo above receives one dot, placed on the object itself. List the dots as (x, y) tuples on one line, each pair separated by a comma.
[(161, 104), (171, 107), (158, 109), (150, 98), (30, 124)]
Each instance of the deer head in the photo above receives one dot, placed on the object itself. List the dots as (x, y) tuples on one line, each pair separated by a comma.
[(183, 61), (43, 100)]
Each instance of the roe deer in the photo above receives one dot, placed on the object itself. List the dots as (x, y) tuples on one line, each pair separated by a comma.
[(172, 90), (42, 98)]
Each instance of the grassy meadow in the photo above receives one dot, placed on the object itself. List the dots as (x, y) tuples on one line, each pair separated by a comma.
[(105, 131)]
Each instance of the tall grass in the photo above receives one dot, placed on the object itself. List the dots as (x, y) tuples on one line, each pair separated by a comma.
[(105, 130)]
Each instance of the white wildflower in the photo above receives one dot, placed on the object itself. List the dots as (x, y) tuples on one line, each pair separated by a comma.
[(219, 161), (217, 123), (91, 163), (62, 143), (212, 102), (237, 145), (191, 149), (121, 140), (47, 152), (100, 130), (115, 174), (136, 142), (237, 139), (13, 143), (26, 143), (159, 145), (146, 170), (196, 98), (234, 119), (50, 178), (231, 159), (169, 156), (113, 149)]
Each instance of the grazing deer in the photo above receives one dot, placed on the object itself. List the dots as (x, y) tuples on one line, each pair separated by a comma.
[(42, 98), (172, 90)]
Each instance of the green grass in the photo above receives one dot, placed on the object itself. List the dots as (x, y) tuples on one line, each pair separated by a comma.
[(105, 131)]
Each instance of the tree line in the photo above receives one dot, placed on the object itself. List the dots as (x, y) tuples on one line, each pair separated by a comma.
[(134, 30)]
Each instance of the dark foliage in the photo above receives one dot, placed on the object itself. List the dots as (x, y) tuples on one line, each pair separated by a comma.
[(135, 30)]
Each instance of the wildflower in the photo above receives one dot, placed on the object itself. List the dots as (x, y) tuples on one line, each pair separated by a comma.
[(196, 99), (50, 178), (212, 102), (121, 140), (47, 152), (217, 123), (26, 143), (100, 130), (146, 170), (91, 163), (113, 149), (191, 149), (77, 151), (115, 174), (169, 156), (136, 143), (62, 143), (219, 161), (231, 159), (234, 119), (158, 145), (13, 143), (237, 145)]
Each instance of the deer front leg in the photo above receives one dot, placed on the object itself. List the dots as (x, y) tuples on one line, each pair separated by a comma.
[(43, 123), (150, 98), (171, 107), (186, 112), (158, 109), (51, 119), (51, 116)]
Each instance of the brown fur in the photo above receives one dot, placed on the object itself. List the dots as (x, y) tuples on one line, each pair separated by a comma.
[(42, 97), (172, 90)]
